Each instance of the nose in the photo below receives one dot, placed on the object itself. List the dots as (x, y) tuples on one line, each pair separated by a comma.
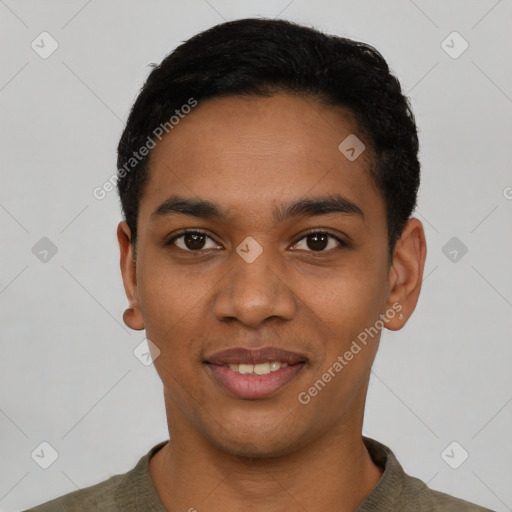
[(254, 292)]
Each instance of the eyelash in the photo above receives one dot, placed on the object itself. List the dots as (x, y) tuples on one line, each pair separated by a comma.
[(341, 242)]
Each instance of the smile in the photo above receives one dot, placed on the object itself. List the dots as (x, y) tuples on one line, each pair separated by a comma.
[(257, 369), (243, 380), (254, 373)]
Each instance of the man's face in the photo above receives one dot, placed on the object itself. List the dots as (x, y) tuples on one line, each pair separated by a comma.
[(309, 295)]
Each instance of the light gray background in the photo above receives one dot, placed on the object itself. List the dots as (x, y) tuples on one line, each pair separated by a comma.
[(68, 373)]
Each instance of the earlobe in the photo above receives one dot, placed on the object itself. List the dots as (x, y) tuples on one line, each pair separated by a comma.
[(132, 317), (406, 273)]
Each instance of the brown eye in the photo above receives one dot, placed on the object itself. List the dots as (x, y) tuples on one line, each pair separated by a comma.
[(192, 241), (318, 241)]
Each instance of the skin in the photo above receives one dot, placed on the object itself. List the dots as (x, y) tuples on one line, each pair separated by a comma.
[(249, 155)]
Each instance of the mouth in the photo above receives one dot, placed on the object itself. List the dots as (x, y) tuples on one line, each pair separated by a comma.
[(254, 373)]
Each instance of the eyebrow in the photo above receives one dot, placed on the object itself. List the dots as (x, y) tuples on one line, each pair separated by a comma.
[(204, 209)]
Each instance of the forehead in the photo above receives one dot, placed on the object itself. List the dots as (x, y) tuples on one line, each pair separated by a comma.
[(259, 151)]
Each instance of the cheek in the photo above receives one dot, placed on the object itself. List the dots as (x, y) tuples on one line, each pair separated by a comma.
[(175, 321), (345, 315), (350, 299), (166, 291), (171, 304)]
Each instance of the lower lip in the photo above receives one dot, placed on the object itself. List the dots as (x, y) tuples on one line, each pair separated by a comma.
[(250, 386)]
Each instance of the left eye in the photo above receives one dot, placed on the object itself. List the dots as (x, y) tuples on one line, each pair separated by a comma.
[(318, 242)]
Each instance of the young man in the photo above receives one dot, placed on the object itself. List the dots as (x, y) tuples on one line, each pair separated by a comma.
[(267, 176)]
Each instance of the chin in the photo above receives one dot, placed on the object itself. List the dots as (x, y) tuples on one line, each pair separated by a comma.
[(257, 448), (254, 440)]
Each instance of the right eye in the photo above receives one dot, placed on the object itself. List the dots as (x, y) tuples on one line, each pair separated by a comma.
[(192, 241)]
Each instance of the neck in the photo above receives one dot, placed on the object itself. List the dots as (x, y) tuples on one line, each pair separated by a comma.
[(334, 473)]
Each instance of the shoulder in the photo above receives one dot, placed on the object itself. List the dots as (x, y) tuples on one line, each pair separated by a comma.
[(119, 493), (421, 498), (399, 492), (100, 496)]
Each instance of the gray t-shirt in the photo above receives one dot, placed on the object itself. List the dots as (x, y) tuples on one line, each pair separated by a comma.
[(134, 491)]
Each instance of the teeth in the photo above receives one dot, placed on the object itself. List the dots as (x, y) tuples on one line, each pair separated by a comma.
[(261, 368), (245, 368), (275, 366), (258, 369)]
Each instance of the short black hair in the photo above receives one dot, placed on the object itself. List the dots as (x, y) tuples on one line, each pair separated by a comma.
[(262, 57)]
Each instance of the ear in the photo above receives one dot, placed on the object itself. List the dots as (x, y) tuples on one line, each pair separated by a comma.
[(406, 273), (132, 316)]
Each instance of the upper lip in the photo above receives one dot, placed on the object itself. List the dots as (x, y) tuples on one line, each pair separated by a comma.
[(242, 355)]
